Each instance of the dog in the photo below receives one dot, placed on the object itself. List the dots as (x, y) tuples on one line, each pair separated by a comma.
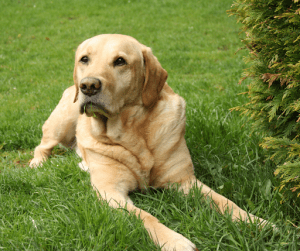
[(128, 126)]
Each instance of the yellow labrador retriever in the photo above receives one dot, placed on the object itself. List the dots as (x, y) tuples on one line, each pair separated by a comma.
[(128, 126)]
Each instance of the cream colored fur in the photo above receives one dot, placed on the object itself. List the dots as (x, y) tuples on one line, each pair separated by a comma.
[(133, 135)]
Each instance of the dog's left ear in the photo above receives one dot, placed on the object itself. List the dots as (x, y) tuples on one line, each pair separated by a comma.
[(76, 84), (155, 78)]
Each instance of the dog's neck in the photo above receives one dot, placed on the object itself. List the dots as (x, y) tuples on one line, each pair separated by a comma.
[(111, 130), (124, 130)]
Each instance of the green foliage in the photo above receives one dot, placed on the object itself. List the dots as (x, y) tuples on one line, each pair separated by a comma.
[(271, 29)]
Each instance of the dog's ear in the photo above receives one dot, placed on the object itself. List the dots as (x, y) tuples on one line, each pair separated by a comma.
[(155, 78), (76, 83)]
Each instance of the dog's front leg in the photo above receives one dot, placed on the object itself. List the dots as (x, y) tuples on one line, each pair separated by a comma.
[(59, 128), (112, 181)]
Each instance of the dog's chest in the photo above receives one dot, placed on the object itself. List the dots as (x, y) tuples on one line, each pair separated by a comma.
[(121, 141)]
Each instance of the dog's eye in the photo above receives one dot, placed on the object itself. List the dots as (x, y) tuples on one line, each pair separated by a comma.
[(119, 62), (84, 59)]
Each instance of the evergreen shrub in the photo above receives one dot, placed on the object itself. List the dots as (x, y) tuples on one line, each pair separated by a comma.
[(271, 33)]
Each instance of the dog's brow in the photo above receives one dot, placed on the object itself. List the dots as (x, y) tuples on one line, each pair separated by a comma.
[(118, 54), (89, 50)]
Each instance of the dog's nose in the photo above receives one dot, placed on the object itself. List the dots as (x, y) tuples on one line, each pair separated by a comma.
[(90, 86)]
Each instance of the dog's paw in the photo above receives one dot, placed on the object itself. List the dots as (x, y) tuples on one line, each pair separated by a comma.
[(36, 162), (83, 166), (179, 243)]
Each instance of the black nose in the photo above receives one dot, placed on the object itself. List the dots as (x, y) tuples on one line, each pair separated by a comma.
[(90, 86)]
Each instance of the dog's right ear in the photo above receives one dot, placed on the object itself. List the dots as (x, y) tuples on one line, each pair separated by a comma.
[(76, 83)]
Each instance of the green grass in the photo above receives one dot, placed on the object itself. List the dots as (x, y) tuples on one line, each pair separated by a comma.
[(54, 207)]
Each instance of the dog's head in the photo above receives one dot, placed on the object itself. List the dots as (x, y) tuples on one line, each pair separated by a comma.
[(115, 71)]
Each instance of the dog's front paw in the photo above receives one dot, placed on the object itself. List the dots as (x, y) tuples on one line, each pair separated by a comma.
[(36, 162), (83, 166), (179, 243)]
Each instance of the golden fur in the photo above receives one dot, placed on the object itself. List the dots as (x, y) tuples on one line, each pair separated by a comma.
[(130, 134)]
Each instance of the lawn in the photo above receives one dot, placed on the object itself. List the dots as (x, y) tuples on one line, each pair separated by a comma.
[(54, 207)]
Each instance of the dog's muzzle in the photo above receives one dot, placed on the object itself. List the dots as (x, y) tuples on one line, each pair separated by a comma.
[(90, 86)]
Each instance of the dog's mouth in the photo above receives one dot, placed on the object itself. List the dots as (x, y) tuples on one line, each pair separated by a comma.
[(92, 109)]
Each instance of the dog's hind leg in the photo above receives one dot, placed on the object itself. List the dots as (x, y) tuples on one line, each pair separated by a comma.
[(223, 204), (59, 128)]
